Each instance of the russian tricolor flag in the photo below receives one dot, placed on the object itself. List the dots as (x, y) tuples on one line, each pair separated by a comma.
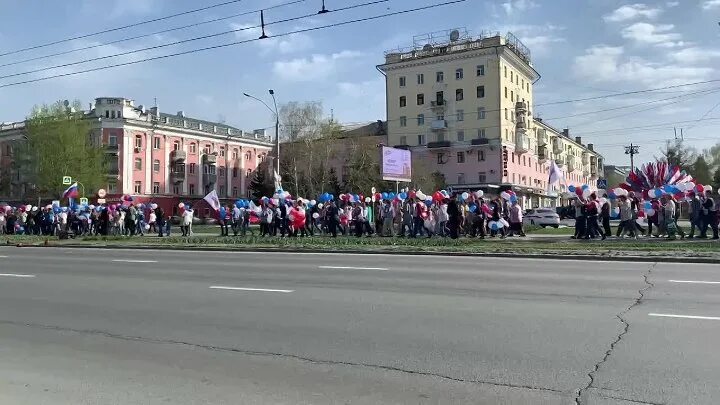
[(71, 192)]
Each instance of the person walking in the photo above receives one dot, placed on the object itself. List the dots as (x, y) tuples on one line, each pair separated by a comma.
[(388, 218), (580, 219), (695, 207), (605, 218), (186, 222), (159, 220), (516, 218), (332, 218), (454, 217), (709, 216), (592, 211), (626, 218)]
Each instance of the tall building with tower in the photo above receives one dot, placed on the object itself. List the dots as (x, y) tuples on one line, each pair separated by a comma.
[(464, 103)]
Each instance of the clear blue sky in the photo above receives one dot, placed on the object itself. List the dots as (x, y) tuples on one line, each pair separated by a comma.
[(582, 48)]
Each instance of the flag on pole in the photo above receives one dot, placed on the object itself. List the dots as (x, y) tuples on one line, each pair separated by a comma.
[(555, 174), (71, 192), (278, 180), (213, 200)]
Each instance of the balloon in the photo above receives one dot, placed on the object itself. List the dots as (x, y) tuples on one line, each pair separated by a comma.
[(412, 194), (479, 194), (612, 196), (494, 225), (505, 195), (384, 196), (445, 193), (313, 203), (421, 196), (147, 227), (700, 188), (513, 199), (472, 207), (586, 193), (428, 202), (647, 205), (571, 188), (320, 206), (465, 195), (650, 212), (708, 188), (367, 200), (641, 214), (579, 191), (181, 205), (651, 193), (585, 187)]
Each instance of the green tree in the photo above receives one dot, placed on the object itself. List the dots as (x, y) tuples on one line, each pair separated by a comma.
[(60, 143), (261, 184), (701, 171), (716, 179), (677, 153), (333, 185)]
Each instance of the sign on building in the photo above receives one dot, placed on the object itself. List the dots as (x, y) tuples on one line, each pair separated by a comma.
[(67, 180)]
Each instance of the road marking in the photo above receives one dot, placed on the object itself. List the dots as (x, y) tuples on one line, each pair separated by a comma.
[(3, 257), (694, 282), (220, 287), (353, 268), (709, 318), (18, 275), (134, 261)]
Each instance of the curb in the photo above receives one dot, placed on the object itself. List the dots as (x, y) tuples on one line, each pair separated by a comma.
[(540, 256)]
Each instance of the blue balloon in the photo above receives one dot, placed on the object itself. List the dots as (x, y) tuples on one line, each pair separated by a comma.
[(648, 205), (472, 207), (513, 199), (385, 196), (585, 187), (403, 195), (494, 226), (612, 196), (571, 189), (428, 202)]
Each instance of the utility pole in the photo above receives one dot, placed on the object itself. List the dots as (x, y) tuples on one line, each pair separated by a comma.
[(632, 150)]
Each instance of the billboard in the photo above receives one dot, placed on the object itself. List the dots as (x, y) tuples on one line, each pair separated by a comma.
[(396, 164)]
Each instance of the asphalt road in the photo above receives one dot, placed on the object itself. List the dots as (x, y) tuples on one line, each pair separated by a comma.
[(149, 327)]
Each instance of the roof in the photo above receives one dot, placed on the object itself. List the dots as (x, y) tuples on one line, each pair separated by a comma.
[(203, 122)]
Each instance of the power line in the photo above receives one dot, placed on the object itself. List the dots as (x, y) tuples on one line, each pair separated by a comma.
[(45, 45), (150, 34), (189, 40), (342, 23)]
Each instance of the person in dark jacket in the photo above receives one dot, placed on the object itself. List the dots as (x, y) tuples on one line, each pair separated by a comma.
[(605, 218), (332, 218), (160, 219), (709, 216), (454, 217)]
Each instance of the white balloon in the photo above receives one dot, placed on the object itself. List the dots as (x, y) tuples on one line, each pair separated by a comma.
[(479, 193), (316, 215), (320, 206), (421, 196), (367, 200), (313, 202)]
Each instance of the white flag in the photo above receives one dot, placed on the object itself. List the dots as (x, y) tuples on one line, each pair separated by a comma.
[(555, 175), (213, 200), (278, 180)]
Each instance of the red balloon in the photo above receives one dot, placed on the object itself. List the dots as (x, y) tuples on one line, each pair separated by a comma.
[(578, 191), (641, 214), (411, 194), (700, 188)]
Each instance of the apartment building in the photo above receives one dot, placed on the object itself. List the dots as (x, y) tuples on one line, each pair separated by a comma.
[(465, 104), (166, 158)]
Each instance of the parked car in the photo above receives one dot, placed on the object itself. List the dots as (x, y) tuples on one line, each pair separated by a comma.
[(542, 217), (566, 212)]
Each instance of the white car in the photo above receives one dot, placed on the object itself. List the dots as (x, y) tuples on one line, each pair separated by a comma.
[(542, 217)]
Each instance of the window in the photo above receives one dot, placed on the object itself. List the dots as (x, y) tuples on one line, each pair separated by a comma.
[(176, 145), (403, 101), (511, 76), (440, 159), (480, 91), (248, 155), (235, 153), (138, 141), (512, 95), (523, 160), (156, 142), (506, 93), (481, 133), (156, 188), (440, 137), (112, 140), (458, 74), (506, 113), (439, 98), (420, 78), (248, 173), (193, 148), (461, 157), (439, 77), (421, 139), (262, 157), (461, 115), (138, 187), (207, 149), (506, 134), (481, 113), (513, 157), (458, 95), (481, 156), (505, 71), (112, 114), (461, 136), (156, 166), (402, 81), (222, 152), (235, 173), (461, 178), (482, 177), (403, 140), (107, 114), (112, 188), (206, 169), (138, 164), (119, 114), (221, 172), (191, 168), (480, 70), (523, 83), (191, 189), (403, 121), (222, 190), (176, 189), (420, 99), (421, 119)]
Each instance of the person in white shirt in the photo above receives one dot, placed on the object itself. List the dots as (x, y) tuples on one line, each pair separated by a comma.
[(186, 222)]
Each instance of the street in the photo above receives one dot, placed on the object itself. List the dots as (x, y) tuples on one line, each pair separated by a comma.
[(84, 326)]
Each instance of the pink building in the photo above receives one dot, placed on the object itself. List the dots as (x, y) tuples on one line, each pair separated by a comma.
[(165, 158)]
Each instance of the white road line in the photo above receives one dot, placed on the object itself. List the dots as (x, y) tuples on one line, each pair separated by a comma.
[(134, 261), (3, 257), (694, 282), (709, 318), (220, 287), (353, 268), (18, 275)]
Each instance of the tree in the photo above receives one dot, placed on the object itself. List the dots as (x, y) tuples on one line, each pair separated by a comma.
[(60, 143), (701, 171), (716, 179), (300, 120), (261, 185), (333, 186), (676, 153)]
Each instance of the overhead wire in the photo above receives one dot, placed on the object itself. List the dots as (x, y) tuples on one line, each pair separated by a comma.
[(84, 48), (225, 45), (233, 31), (137, 24)]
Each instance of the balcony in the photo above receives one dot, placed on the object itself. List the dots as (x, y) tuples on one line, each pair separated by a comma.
[(585, 158), (210, 159), (178, 155), (112, 149), (543, 154), (438, 125), (404, 147), (522, 143), (480, 141), (438, 144), (113, 171), (559, 160), (177, 174), (558, 146), (209, 178), (594, 171), (438, 106), (570, 163)]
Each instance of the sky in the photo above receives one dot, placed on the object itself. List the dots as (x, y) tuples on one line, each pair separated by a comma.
[(581, 48)]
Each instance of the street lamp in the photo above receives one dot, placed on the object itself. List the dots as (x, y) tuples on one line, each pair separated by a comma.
[(277, 126)]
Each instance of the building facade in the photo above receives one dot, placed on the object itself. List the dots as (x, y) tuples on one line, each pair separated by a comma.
[(166, 158), (465, 104)]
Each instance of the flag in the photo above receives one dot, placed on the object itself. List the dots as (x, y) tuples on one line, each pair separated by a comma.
[(278, 180), (555, 174), (213, 200), (71, 192)]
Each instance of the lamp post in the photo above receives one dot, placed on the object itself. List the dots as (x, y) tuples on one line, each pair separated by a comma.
[(277, 126)]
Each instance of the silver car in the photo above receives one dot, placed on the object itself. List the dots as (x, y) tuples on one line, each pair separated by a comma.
[(542, 217)]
